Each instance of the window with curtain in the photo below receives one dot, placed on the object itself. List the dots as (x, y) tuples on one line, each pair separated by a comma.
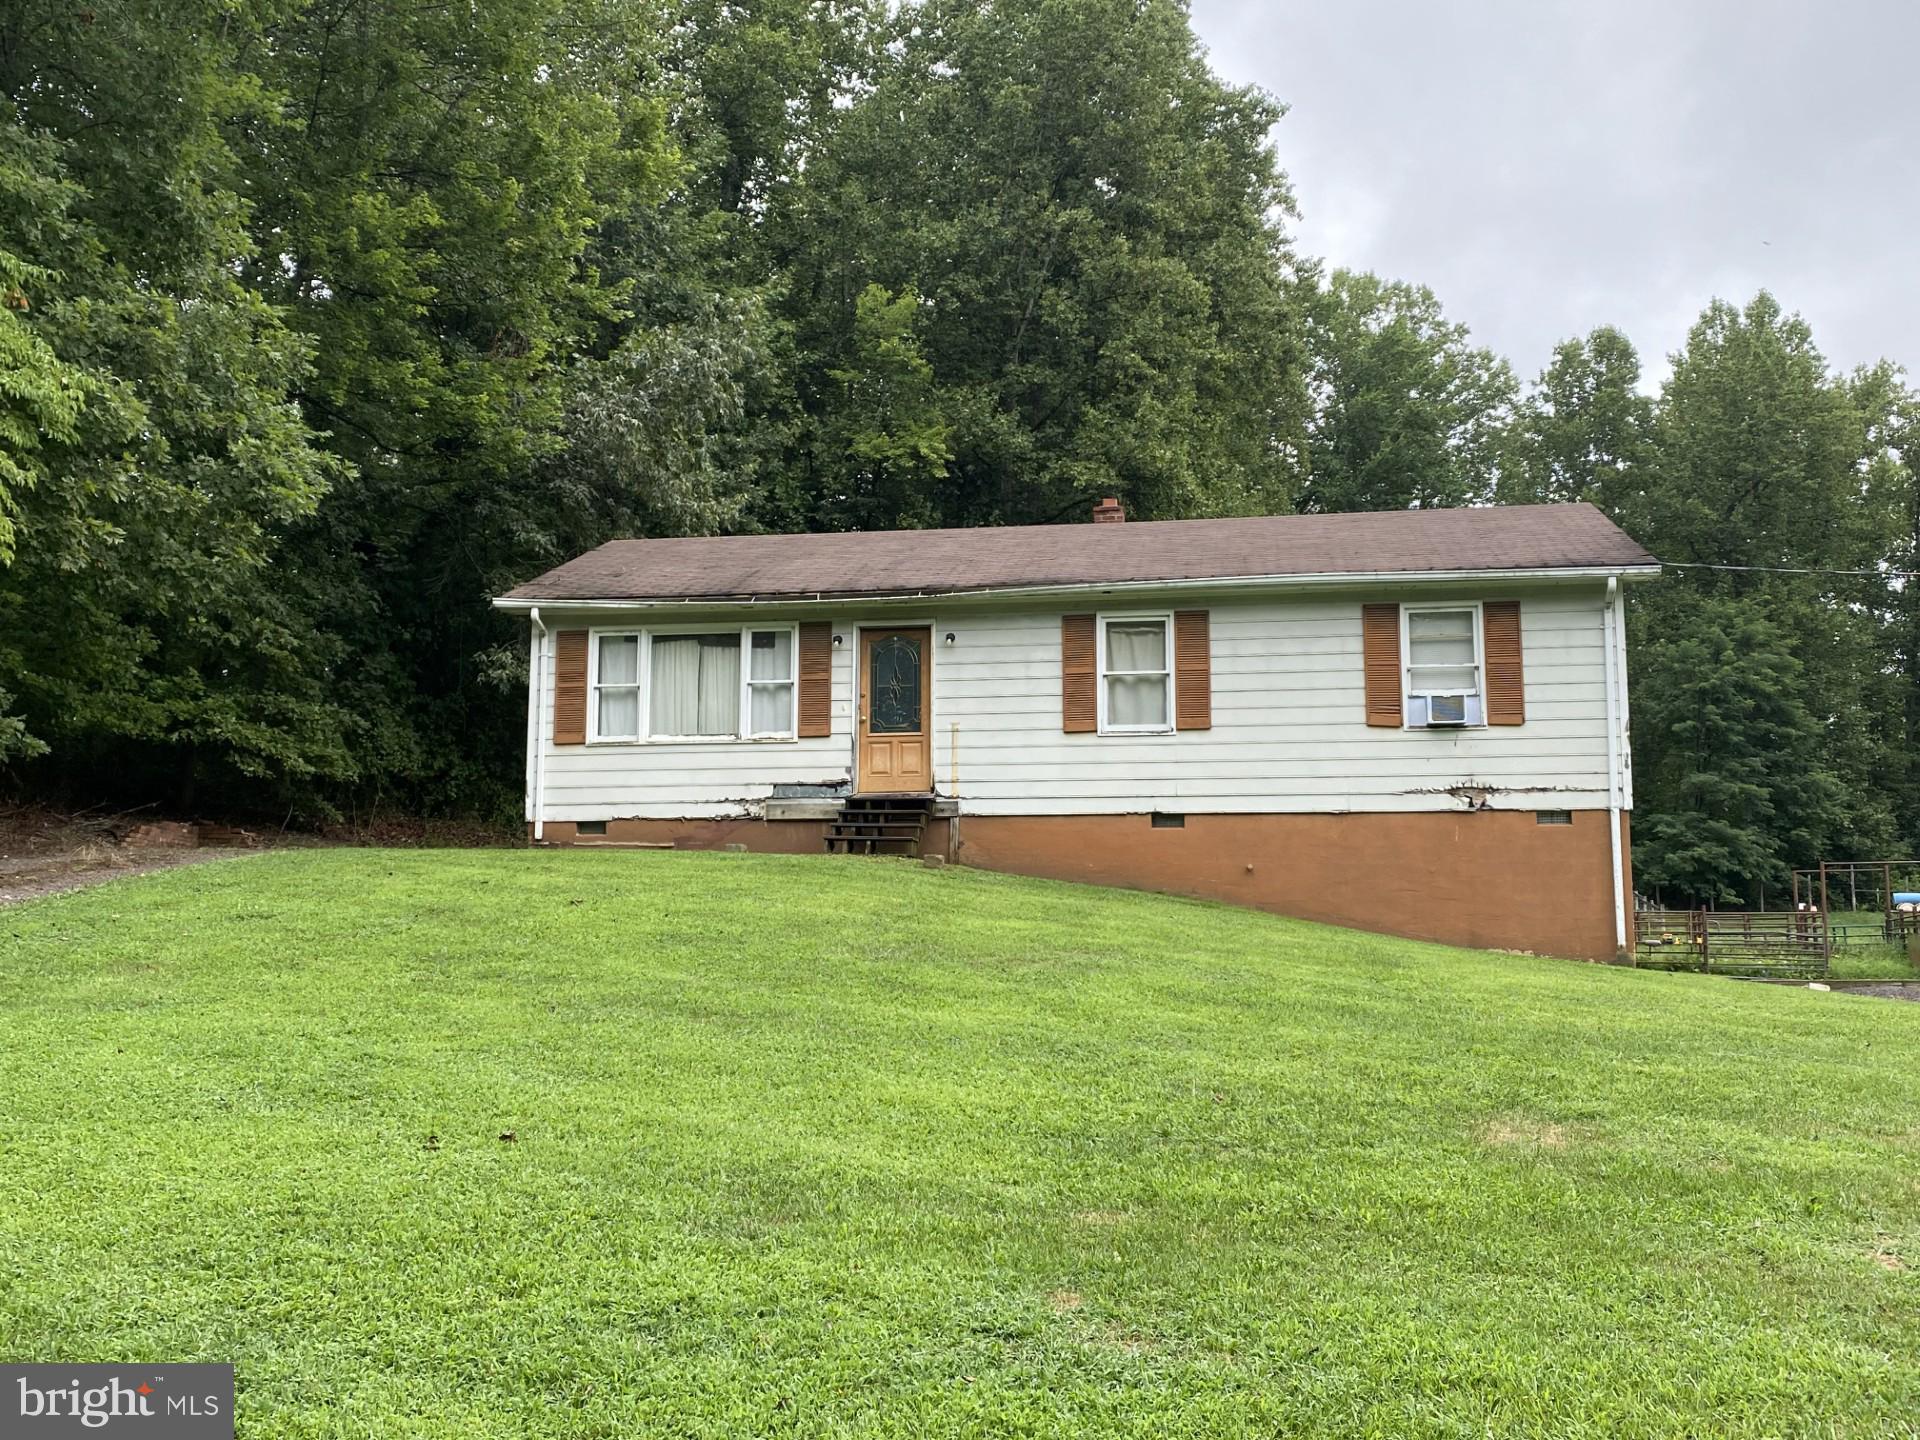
[(770, 682), (1135, 673), (695, 685), (1443, 651), (616, 690)]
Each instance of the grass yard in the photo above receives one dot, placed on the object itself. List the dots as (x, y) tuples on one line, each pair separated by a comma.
[(615, 1144), (1864, 955), (1871, 962)]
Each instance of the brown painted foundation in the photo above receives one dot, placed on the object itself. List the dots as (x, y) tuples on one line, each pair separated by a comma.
[(775, 837), (1492, 879)]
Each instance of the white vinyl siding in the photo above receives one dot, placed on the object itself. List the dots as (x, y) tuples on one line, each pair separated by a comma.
[(1289, 729), (1289, 732), (686, 778)]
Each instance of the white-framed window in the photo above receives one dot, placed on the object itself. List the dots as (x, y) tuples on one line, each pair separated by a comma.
[(1445, 665), (693, 684), (770, 682), (1136, 674), (614, 659)]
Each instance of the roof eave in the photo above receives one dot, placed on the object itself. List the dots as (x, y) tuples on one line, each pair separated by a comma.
[(521, 604)]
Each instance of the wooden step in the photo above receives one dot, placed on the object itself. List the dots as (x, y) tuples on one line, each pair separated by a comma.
[(880, 825), (872, 845)]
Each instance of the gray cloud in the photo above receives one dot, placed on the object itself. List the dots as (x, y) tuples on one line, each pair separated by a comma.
[(1549, 167)]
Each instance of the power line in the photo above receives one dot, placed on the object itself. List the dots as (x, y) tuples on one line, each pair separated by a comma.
[(1789, 570)]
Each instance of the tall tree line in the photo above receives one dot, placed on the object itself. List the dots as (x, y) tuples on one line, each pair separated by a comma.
[(323, 320)]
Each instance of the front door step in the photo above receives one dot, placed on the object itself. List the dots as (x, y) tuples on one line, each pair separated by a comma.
[(880, 825)]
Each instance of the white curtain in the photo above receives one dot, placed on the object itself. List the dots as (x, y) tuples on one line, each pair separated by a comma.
[(674, 707), (696, 685), (1136, 646), (1440, 649), (772, 655), (619, 714), (773, 709), (719, 685), (770, 673), (1136, 699), (619, 666)]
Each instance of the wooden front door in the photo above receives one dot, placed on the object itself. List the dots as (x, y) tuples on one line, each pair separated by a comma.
[(894, 737)]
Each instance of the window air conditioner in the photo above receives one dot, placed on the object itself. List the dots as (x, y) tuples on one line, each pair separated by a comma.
[(1443, 712)]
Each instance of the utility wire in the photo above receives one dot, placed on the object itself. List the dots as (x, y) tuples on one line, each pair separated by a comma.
[(1788, 570)]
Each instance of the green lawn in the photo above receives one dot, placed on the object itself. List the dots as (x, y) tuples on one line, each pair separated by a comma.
[(1869, 958), (1871, 962), (819, 1146)]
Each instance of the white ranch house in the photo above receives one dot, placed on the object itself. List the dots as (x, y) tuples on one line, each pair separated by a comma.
[(1410, 721)]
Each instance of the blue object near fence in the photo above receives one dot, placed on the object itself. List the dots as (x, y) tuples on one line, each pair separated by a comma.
[(1906, 897)]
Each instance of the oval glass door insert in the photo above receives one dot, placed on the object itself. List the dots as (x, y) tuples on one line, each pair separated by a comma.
[(894, 674)]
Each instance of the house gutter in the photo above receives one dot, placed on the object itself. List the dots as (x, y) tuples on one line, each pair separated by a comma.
[(536, 730), (1346, 578), (1613, 630)]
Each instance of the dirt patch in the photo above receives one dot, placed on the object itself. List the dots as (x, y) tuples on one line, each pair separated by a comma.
[(1129, 1341), (407, 832), (1101, 1217), (1887, 1260), (45, 853), (1065, 1300), (1888, 990), (1518, 1130), (31, 879)]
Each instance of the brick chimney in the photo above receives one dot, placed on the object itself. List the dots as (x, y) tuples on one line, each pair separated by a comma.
[(1109, 512)]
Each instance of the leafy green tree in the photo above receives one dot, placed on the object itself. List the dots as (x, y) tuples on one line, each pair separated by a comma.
[(41, 395), (887, 434), (654, 436), (142, 633), (1091, 220), (426, 193), (1728, 768), (756, 90), (1756, 460), (1582, 433), (322, 320), (702, 342), (1891, 486), (1755, 451), (1407, 412)]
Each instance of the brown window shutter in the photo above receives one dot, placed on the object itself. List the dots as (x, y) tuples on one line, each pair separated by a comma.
[(1079, 708), (1506, 678), (816, 678), (1380, 636), (569, 687), (1193, 671)]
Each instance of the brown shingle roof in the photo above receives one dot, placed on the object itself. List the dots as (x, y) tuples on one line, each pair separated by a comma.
[(913, 562)]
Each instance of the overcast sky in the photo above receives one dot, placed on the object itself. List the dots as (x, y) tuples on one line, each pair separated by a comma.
[(1549, 167)]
